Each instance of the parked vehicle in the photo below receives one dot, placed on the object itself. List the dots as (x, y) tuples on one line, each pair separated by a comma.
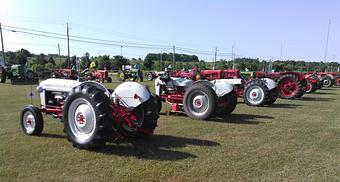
[(128, 72), (92, 114), (198, 99)]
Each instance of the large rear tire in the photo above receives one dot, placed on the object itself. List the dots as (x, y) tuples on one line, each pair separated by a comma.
[(337, 80), (290, 87), (273, 95), (255, 93), (144, 119), (31, 120), (87, 118), (227, 104), (109, 80), (199, 101), (2, 75)]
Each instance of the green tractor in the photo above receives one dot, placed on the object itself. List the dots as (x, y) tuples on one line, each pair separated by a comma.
[(129, 72), (18, 73)]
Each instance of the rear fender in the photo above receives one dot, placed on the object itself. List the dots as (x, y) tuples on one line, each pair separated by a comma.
[(131, 94), (271, 84), (221, 87), (97, 85)]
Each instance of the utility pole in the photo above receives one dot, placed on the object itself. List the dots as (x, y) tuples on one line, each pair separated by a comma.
[(160, 62), (121, 51), (68, 47), (215, 57), (2, 44), (329, 26), (59, 52), (173, 59)]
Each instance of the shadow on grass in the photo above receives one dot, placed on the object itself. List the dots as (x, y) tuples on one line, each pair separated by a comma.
[(241, 119), (304, 98), (157, 147), (285, 106), (50, 135), (324, 93)]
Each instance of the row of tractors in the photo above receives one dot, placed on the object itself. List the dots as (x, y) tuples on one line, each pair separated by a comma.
[(93, 114), (186, 93)]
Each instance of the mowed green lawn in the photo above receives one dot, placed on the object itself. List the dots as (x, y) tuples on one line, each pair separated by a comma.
[(293, 140)]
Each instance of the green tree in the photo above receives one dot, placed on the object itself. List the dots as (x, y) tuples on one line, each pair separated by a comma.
[(51, 60), (85, 61), (20, 58), (118, 61)]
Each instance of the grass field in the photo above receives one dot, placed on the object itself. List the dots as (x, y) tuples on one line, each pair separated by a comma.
[(293, 140)]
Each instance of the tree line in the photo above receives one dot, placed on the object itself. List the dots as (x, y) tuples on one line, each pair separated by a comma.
[(43, 62)]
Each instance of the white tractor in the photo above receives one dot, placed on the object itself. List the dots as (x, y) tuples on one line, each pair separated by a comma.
[(198, 99), (93, 115)]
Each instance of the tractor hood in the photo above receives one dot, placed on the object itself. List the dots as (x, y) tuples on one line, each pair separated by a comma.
[(61, 85)]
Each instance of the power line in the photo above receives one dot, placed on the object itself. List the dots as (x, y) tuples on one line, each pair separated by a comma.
[(89, 40)]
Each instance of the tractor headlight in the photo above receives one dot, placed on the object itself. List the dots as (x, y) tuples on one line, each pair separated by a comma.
[(40, 89)]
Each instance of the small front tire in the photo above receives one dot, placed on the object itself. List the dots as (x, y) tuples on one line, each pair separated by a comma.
[(31, 120)]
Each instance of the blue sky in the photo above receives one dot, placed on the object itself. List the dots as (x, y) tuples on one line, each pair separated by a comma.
[(258, 29)]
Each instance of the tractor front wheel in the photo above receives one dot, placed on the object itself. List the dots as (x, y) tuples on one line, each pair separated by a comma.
[(121, 76), (311, 87), (31, 120), (327, 81), (149, 76)]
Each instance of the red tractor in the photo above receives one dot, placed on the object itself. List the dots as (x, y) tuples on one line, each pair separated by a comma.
[(328, 78), (99, 75), (65, 74), (291, 85), (313, 82)]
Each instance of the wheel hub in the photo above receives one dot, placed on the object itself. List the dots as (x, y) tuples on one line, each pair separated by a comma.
[(29, 123), (199, 101), (255, 94), (83, 117)]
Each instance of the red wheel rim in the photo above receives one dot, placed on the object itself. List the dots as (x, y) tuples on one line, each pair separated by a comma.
[(288, 87)]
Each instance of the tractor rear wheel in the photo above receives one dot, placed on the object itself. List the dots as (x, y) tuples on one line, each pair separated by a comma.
[(29, 74), (2, 75), (255, 93), (272, 96), (200, 101), (31, 120), (311, 87), (87, 118), (143, 119), (109, 79), (227, 104), (289, 87), (121, 76), (337, 80)]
